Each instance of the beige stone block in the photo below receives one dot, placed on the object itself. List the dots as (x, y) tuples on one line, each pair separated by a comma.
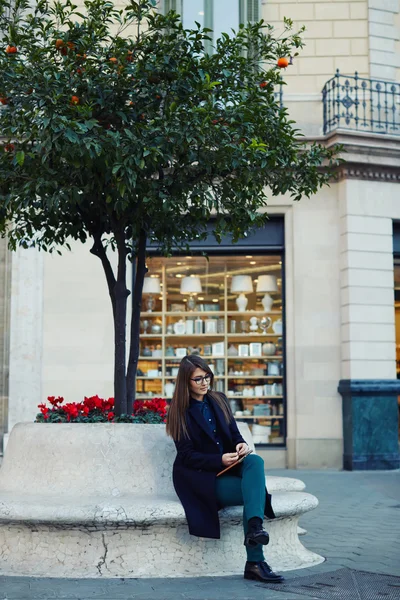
[(274, 458), (385, 5), (305, 84), (365, 350), (319, 454), (351, 64), (270, 12), (379, 71), (369, 369), (319, 29), (325, 422), (385, 58), (380, 16), (332, 11), (366, 224), (383, 44), (298, 12), (383, 31), (317, 65), (350, 29), (308, 50), (333, 47), (382, 261), (359, 47), (367, 295), (358, 10), (367, 242), (357, 313), (375, 332)]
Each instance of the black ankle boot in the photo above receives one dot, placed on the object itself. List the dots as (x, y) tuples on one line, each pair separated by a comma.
[(255, 533), (261, 571)]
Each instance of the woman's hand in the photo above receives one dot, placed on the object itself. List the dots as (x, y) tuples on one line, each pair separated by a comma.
[(229, 458), (242, 449)]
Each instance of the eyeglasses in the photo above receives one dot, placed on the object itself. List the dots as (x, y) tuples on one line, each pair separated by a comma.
[(199, 380)]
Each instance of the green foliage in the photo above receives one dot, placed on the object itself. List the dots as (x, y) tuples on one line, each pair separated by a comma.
[(118, 126), (162, 131)]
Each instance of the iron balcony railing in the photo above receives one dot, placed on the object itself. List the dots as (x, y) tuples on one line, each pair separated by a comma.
[(358, 103)]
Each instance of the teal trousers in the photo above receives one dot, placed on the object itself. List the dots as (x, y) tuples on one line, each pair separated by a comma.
[(246, 488)]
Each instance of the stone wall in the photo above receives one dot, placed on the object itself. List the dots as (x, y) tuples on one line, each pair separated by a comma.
[(384, 26), (336, 37), (5, 278)]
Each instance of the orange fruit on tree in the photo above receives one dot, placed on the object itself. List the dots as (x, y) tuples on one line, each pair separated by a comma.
[(263, 84), (113, 59), (59, 43), (71, 45), (3, 100), (11, 50), (129, 56), (74, 100), (9, 147), (282, 62)]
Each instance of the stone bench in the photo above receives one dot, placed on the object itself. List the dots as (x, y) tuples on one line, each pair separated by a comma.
[(97, 500)]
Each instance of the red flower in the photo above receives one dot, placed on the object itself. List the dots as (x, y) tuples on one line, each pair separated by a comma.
[(55, 401), (86, 410), (110, 416)]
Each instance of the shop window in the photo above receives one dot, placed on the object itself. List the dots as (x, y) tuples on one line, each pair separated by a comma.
[(229, 310)]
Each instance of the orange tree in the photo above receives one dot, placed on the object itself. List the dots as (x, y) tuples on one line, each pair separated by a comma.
[(117, 126)]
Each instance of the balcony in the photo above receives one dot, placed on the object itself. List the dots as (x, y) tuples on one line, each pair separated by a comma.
[(359, 104)]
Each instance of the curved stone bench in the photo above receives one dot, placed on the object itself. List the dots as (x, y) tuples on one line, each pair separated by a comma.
[(87, 500)]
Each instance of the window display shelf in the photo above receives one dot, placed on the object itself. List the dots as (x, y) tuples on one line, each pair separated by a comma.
[(216, 330), (151, 335), (258, 357), (191, 336), (170, 358), (195, 313), (253, 313), (241, 336), (254, 376)]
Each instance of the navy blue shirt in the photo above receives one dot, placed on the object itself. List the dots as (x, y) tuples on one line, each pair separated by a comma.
[(206, 409)]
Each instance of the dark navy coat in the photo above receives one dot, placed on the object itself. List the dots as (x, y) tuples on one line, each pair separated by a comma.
[(195, 468)]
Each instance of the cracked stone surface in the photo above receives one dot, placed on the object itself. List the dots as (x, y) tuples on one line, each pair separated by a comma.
[(356, 525), (117, 512)]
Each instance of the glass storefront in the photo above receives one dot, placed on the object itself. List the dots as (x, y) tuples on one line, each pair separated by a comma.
[(228, 309)]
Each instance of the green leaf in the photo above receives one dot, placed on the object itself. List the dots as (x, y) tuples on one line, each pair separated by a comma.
[(20, 157)]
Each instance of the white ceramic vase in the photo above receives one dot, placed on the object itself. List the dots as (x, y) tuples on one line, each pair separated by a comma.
[(241, 302)]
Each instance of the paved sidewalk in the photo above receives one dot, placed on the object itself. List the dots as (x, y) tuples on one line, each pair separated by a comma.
[(357, 525)]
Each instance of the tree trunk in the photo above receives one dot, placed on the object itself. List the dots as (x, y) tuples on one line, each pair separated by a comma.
[(121, 294), (141, 271)]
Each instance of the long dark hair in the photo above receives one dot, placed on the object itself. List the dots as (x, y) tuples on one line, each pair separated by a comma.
[(176, 418)]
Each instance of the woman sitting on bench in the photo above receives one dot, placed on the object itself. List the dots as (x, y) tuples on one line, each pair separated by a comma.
[(208, 441)]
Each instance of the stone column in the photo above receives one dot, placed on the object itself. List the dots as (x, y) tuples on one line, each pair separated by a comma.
[(368, 383), (25, 336), (5, 279)]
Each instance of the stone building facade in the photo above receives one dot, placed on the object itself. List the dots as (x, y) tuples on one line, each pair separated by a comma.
[(339, 266)]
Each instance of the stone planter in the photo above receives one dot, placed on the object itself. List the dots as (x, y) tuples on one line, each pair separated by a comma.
[(97, 500)]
